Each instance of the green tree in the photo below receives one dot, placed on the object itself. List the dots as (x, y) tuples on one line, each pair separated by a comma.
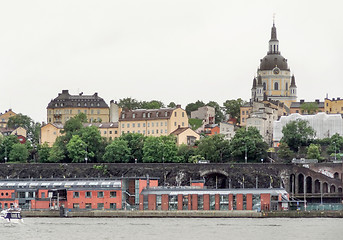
[(7, 145), (32, 128), (313, 151), (309, 108), (248, 142), (185, 152), (154, 104), (74, 125), (172, 105), (297, 133), (77, 149), (117, 151), (285, 153), (195, 123), (19, 153), (194, 106), (95, 144), (335, 144), (160, 149), (214, 148), (232, 107), (135, 143), (43, 153), (219, 116), (56, 154), (129, 103)]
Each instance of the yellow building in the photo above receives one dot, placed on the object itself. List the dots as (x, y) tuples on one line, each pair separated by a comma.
[(274, 81), (66, 106), (152, 122), (50, 132), (107, 130), (5, 116), (333, 106), (185, 136)]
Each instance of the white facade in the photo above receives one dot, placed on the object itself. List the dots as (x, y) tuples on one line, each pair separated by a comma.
[(227, 129), (325, 125), (205, 113)]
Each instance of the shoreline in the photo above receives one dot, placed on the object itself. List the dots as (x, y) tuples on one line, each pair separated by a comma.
[(186, 214)]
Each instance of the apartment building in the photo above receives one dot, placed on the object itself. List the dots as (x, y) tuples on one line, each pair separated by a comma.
[(152, 122)]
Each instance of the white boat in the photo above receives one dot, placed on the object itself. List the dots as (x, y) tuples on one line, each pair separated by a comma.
[(11, 215)]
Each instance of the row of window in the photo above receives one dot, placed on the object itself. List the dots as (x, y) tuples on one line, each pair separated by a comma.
[(99, 206), (70, 111), (166, 114), (152, 131), (78, 104), (100, 194), (110, 132), (144, 125)]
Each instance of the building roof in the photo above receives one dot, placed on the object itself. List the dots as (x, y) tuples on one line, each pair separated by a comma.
[(56, 125), (179, 131), (102, 125), (298, 104), (146, 114), (65, 100)]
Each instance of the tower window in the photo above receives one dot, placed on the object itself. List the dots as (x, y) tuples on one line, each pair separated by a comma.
[(286, 86), (276, 86), (264, 86)]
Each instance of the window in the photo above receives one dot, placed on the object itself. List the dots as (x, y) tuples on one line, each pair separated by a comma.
[(183, 114), (113, 206), (113, 194), (148, 124), (143, 124), (152, 131), (139, 131), (98, 112), (264, 86), (134, 115), (88, 194), (149, 115), (133, 125), (157, 131), (78, 104), (43, 195), (78, 111), (76, 194), (183, 124), (92, 111), (152, 124), (157, 124), (276, 86), (128, 125), (243, 112), (115, 132), (88, 205), (138, 125), (104, 132), (100, 206), (165, 131), (144, 115), (123, 125), (110, 132), (76, 205), (286, 86), (165, 114), (175, 124), (165, 124), (100, 194), (175, 114), (144, 132)]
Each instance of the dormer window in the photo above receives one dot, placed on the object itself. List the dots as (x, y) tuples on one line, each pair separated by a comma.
[(134, 115), (157, 114), (149, 115), (98, 104), (165, 114), (85, 104), (123, 115), (78, 104), (144, 115)]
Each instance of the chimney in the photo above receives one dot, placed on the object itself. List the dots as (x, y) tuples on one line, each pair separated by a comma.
[(338, 98), (80, 94), (178, 106), (112, 101), (317, 101), (65, 91), (95, 94), (302, 101)]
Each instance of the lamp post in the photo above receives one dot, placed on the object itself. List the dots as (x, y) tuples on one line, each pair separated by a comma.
[(5, 158), (246, 154), (335, 151), (86, 158)]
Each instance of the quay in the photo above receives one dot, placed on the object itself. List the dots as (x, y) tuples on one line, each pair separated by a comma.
[(186, 214)]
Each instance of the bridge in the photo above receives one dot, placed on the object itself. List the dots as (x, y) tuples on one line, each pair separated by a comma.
[(317, 182)]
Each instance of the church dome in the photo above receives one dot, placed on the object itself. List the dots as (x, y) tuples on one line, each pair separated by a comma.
[(270, 61)]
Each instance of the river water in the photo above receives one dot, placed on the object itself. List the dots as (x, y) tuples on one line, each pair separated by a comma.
[(174, 228)]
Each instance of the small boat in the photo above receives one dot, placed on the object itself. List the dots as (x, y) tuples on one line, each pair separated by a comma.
[(11, 215)]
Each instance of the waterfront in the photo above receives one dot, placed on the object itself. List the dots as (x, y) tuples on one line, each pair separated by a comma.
[(174, 228)]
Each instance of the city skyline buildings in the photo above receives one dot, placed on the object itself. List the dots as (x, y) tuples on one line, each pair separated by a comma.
[(168, 51)]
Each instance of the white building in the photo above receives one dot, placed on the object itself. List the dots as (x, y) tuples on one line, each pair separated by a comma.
[(325, 125), (227, 129), (205, 113)]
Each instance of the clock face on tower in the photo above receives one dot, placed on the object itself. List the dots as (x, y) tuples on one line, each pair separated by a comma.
[(276, 70)]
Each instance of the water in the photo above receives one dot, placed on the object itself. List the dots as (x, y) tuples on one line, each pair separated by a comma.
[(174, 228)]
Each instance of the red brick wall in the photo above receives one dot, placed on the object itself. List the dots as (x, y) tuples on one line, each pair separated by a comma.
[(165, 202), (151, 202), (217, 202), (230, 202), (249, 201), (239, 201), (179, 202), (195, 202), (265, 201), (198, 184), (189, 202), (206, 202), (141, 202)]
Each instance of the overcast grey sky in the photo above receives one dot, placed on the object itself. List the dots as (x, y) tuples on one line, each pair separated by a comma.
[(176, 50)]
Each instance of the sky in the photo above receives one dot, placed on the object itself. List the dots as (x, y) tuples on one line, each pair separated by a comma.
[(176, 50)]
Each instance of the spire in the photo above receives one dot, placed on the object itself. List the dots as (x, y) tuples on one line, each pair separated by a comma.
[(273, 42), (254, 83), (293, 81)]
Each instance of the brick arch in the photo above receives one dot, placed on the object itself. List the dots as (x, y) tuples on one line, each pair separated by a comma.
[(301, 180), (325, 187), (213, 171), (332, 188), (317, 186)]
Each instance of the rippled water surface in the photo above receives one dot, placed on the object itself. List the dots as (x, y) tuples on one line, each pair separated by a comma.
[(173, 228)]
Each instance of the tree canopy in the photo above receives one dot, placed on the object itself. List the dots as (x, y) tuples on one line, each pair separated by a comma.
[(297, 133), (232, 107)]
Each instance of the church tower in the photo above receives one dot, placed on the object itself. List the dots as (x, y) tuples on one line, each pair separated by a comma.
[(274, 76)]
